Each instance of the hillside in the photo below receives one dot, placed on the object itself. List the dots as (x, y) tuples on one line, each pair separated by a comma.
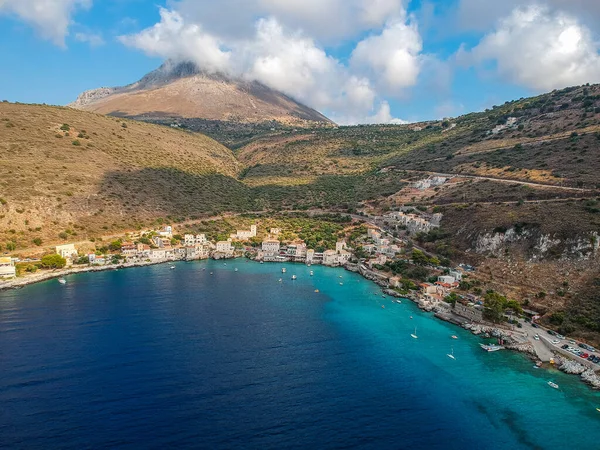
[(184, 94), (62, 171)]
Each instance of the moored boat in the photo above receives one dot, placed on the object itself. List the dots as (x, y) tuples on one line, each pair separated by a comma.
[(491, 347), (454, 336), (62, 281), (294, 277), (553, 385), (283, 270)]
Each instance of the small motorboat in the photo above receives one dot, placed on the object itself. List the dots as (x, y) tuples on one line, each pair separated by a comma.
[(491, 347), (451, 354), (283, 270), (262, 262), (341, 284), (172, 267), (235, 270), (383, 306), (62, 281), (454, 336), (294, 277), (211, 273), (311, 273), (598, 409), (317, 291), (553, 385), (281, 280), (414, 335), (410, 317)]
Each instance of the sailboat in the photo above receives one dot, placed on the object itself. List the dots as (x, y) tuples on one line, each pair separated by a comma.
[(414, 336), (451, 354)]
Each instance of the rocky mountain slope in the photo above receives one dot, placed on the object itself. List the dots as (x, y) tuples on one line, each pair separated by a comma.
[(183, 91)]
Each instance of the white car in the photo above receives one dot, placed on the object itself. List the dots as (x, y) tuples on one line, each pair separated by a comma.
[(536, 337), (556, 342), (560, 336)]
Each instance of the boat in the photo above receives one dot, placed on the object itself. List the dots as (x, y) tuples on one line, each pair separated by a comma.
[(311, 273), (281, 280), (62, 281), (598, 409), (283, 270), (172, 267), (317, 291), (410, 317), (294, 277), (235, 270), (414, 336), (262, 262), (491, 347), (451, 354), (341, 284), (383, 306), (553, 385), (454, 336)]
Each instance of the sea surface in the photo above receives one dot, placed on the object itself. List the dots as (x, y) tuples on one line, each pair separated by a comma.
[(204, 356)]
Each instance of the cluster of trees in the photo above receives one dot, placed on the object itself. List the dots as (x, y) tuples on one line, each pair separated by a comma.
[(53, 261), (496, 306)]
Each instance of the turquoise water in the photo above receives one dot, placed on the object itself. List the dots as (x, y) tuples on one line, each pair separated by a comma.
[(149, 357)]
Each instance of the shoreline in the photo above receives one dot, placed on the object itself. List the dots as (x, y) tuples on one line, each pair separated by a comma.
[(562, 363)]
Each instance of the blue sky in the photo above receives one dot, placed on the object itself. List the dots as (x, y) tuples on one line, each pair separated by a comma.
[(358, 61)]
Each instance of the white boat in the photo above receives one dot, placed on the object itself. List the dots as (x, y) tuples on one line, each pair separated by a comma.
[(414, 336), (62, 281), (281, 280), (553, 385), (283, 270), (491, 347), (294, 277), (454, 336), (235, 270), (311, 273), (172, 267), (451, 354)]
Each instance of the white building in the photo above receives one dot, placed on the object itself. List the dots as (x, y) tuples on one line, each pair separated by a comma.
[(271, 246), (166, 232), (224, 247), (67, 251), (446, 279), (456, 275), (190, 240), (7, 268), (340, 245), (243, 235)]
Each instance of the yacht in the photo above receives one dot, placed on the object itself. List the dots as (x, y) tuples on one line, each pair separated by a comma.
[(451, 354)]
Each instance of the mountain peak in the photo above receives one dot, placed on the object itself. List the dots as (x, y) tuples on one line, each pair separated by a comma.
[(182, 89)]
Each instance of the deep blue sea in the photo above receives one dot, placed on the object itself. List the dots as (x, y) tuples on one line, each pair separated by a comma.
[(156, 358)]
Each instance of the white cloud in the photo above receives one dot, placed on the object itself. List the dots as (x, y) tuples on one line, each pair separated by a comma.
[(393, 57), (173, 38), (51, 18), (381, 116), (540, 49), (94, 40)]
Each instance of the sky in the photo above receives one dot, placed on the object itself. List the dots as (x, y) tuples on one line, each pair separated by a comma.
[(357, 61)]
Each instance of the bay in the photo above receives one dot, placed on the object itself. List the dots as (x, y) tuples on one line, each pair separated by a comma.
[(152, 357)]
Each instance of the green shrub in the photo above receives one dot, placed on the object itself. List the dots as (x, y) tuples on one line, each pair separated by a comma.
[(53, 261), (37, 241), (76, 143), (65, 127)]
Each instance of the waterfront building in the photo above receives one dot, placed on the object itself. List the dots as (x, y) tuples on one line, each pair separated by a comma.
[(67, 251), (225, 247), (7, 268), (189, 240), (271, 246)]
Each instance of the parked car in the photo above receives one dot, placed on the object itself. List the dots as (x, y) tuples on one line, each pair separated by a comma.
[(560, 336), (571, 341), (535, 325), (551, 333), (566, 346), (591, 358), (536, 337), (584, 356), (556, 342), (581, 345)]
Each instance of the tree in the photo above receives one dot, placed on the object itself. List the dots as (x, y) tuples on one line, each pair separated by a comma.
[(53, 261), (495, 304), (419, 258), (37, 241), (115, 245)]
